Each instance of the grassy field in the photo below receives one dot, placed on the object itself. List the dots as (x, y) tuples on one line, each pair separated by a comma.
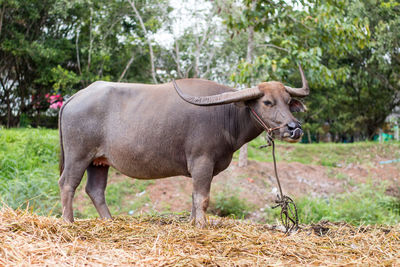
[(29, 175), (325, 154)]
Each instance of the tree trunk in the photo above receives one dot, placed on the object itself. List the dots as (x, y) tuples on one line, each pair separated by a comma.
[(243, 156), (77, 51), (309, 136), (177, 59), (250, 48), (197, 59), (90, 41), (8, 111), (250, 45), (153, 69), (2, 16), (126, 68)]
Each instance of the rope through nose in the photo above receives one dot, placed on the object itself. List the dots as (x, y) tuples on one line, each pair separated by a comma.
[(289, 216), (260, 121)]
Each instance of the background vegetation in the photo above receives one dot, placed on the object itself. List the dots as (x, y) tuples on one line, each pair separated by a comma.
[(349, 49)]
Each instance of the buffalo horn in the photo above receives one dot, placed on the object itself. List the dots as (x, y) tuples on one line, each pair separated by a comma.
[(300, 92), (224, 98)]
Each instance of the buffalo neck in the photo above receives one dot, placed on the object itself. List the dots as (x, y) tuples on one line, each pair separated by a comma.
[(243, 126)]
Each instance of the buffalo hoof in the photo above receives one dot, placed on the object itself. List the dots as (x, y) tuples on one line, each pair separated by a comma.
[(198, 222), (201, 223), (68, 220)]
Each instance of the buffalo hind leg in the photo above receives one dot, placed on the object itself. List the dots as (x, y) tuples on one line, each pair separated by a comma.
[(95, 187), (70, 178), (202, 175)]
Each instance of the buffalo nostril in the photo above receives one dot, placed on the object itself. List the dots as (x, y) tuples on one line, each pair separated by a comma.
[(296, 134), (292, 125)]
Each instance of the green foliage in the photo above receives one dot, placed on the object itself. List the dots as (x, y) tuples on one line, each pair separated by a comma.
[(349, 51), (228, 203), (29, 169), (29, 177), (62, 46), (367, 205), (63, 79)]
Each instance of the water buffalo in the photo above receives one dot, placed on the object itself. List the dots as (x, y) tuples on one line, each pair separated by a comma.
[(153, 131)]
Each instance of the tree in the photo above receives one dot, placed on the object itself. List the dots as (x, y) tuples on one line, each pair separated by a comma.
[(194, 48), (348, 49), (147, 37), (372, 90), (337, 46), (32, 41), (60, 47)]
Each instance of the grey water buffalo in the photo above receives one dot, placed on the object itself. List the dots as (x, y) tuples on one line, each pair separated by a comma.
[(156, 131)]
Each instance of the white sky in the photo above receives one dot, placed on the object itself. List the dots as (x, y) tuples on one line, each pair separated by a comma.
[(182, 19)]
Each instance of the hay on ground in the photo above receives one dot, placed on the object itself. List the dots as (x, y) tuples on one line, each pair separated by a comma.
[(29, 239)]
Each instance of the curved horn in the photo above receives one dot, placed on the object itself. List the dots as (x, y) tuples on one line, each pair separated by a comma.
[(224, 98), (300, 92)]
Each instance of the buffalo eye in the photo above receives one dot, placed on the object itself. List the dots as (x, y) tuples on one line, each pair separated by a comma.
[(267, 103)]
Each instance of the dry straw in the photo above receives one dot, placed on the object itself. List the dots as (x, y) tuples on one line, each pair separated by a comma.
[(29, 239)]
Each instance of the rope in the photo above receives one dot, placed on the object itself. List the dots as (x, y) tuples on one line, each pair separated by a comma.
[(275, 169), (289, 216)]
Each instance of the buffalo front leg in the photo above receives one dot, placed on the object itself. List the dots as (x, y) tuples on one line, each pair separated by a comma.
[(202, 175), (95, 187)]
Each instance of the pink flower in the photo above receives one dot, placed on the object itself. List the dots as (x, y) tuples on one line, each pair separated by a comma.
[(56, 101), (53, 98), (54, 106)]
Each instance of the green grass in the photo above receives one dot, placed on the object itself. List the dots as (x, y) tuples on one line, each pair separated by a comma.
[(29, 169), (325, 154), (122, 197), (127, 196), (29, 176), (367, 205)]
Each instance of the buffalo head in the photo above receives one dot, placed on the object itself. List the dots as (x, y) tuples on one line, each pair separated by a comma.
[(273, 102)]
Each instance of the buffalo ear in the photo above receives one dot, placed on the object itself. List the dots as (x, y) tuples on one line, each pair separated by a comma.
[(297, 106)]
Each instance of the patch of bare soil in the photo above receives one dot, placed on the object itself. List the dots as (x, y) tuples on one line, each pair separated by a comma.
[(171, 194), (376, 171)]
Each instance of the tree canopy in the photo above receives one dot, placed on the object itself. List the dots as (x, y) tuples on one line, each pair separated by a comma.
[(348, 49)]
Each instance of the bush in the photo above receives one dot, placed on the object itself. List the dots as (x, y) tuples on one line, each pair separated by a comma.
[(229, 204)]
